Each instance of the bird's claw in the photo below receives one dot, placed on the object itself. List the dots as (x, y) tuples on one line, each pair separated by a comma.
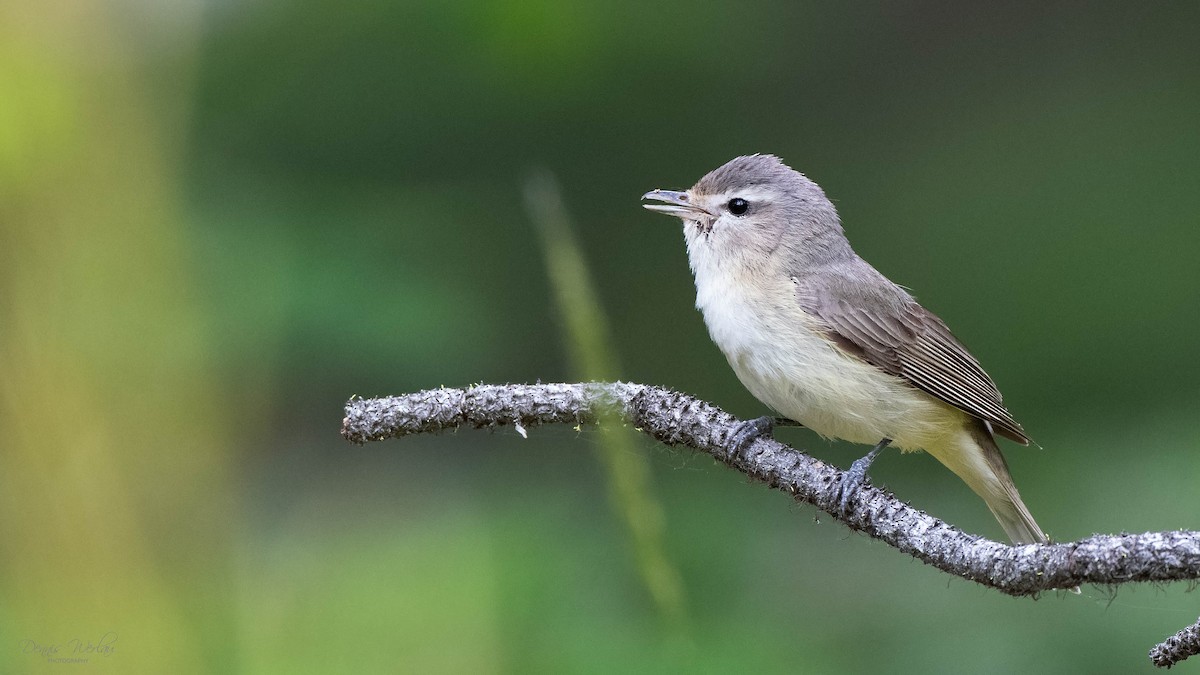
[(854, 478), (748, 431)]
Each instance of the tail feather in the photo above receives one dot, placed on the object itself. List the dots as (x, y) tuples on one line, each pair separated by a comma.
[(976, 459), (1007, 506)]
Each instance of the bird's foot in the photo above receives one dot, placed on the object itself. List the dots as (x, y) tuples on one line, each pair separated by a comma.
[(751, 430), (854, 477)]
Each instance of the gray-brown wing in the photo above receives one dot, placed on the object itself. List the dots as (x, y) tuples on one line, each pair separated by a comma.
[(888, 329)]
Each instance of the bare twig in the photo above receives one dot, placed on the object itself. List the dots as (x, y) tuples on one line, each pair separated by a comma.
[(679, 419), (1178, 647)]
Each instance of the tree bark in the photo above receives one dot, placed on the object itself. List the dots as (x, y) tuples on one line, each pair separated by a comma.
[(679, 419)]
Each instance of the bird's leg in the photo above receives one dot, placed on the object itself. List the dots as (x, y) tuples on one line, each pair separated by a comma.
[(852, 479), (748, 431)]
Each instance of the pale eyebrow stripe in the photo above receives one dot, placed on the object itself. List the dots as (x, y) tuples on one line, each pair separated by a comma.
[(749, 194)]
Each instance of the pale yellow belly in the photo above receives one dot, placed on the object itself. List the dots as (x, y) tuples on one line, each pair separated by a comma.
[(838, 396), (787, 364)]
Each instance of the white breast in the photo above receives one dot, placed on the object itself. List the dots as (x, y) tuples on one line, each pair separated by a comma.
[(779, 354)]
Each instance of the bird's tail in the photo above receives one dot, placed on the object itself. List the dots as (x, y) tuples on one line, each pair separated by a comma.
[(977, 460)]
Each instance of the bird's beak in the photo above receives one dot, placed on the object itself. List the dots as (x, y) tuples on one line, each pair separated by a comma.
[(675, 204)]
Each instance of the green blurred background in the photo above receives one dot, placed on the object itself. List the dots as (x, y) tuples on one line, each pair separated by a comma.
[(220, 220)]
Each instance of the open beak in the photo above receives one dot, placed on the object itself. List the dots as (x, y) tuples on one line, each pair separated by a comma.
[(675, 204)]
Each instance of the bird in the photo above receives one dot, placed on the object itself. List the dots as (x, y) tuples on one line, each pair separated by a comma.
[(821, 337)]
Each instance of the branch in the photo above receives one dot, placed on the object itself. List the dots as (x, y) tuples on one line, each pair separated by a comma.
[(1178, 647), (679, 419)]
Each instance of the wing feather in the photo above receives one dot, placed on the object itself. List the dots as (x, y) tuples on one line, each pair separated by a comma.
[(888, 328)]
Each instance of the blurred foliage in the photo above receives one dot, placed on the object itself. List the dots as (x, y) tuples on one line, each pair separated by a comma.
[(220, 220), (589, 340)]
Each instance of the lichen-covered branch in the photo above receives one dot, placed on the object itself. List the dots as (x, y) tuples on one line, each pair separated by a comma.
[(1178, 647), (679, 419)]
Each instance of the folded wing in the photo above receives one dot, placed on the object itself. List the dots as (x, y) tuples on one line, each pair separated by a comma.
[(886, 327)]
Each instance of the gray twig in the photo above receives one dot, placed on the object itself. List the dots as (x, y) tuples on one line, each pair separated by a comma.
[(679, 419), (1178, 647)]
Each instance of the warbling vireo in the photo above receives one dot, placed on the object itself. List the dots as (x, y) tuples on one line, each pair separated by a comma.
[(820, 336)]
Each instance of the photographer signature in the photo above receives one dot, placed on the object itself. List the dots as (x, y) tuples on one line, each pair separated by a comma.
[(74, 650)]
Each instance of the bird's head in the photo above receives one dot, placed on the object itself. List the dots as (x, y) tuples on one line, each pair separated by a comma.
[(753, 205)]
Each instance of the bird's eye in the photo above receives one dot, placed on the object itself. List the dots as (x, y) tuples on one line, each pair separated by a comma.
[(738, 206)]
